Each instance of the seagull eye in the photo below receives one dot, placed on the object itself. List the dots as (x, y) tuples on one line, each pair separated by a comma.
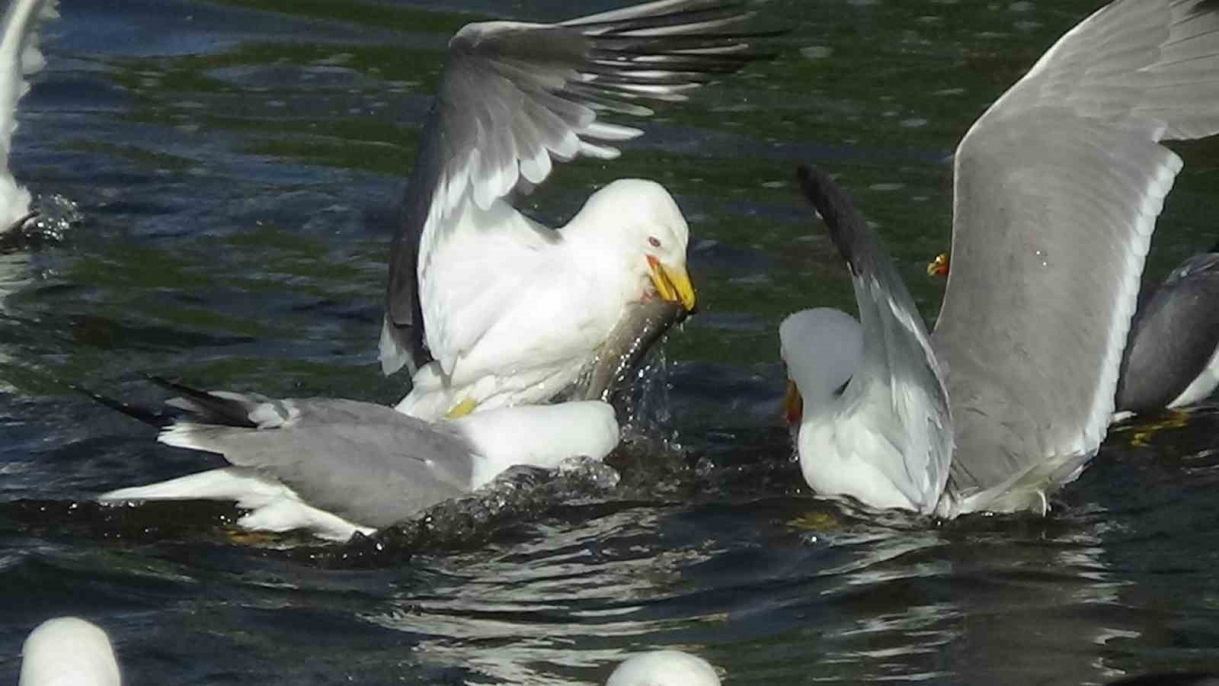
[(654, 241)]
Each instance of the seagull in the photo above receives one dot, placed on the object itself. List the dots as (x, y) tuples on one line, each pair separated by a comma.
[(337, 467), (1057, 189), (1172, 355), (873, 412), (664, 668), (19, 58), (1172, 359), (68, 650), (486, 307)]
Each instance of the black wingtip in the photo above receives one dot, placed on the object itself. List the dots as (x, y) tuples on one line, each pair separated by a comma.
[(845, 225), (144, 414), (207, 407), (176, 387)]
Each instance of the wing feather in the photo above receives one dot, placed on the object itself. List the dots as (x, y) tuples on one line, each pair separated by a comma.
[(361, 461)]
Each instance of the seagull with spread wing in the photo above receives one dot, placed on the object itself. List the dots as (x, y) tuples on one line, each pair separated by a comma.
[(19, 58), (1057, 189), (488, 308)]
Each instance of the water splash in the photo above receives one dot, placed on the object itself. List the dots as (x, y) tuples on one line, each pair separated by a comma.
[(53, 215), (56, 215), (645, 402)]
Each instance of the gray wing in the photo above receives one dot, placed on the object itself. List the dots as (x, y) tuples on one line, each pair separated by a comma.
[(897, 388), (514, 96), (1057, 189), (360, 461), (1173, 337)]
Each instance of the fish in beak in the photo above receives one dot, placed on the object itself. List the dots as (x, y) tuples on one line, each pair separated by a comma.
[(672, 283)]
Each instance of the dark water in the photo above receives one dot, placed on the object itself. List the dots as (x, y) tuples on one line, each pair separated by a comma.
[(237, 165)]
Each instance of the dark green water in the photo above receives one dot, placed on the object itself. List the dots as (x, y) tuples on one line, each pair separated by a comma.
[(238, 166)]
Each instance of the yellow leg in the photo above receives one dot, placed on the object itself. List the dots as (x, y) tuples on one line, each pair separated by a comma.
[(1174, 419), (462, 409), (816, 521), (260, 539)]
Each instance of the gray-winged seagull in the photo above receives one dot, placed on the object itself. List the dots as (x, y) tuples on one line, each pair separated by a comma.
[(1172, 359), (335, 467), (1057, 190)]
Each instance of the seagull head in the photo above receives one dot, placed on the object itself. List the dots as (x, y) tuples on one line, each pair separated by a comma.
[(647, 226), (821, 348)]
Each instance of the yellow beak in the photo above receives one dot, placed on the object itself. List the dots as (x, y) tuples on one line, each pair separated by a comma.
[(938, 266), (672, 283), (793, 404)]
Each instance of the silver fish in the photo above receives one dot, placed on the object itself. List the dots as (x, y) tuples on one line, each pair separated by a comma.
[(641, 326)]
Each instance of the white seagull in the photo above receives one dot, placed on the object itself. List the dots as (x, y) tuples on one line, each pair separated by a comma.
[(334, 467), (19, 58), (1057, 190), (488, 308)]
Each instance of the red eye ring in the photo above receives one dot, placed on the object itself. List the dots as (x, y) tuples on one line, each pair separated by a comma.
[(654, 241)]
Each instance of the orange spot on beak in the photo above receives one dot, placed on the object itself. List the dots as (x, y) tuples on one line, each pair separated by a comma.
[(793, 404), (939, 266)]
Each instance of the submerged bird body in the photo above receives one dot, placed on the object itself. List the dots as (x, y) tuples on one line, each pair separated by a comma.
[(68, 651), (19, 58), (664, 668), (340, 466), (487, 308), (1057, 190)]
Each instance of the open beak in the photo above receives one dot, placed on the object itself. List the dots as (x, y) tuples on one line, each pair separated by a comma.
[(793, 404), (938, 266), (672, 283)]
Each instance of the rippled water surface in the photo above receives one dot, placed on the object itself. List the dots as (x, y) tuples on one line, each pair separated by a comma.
[(237, 165)]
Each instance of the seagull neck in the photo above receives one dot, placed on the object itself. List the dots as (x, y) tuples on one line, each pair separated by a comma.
[(823, 348)]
